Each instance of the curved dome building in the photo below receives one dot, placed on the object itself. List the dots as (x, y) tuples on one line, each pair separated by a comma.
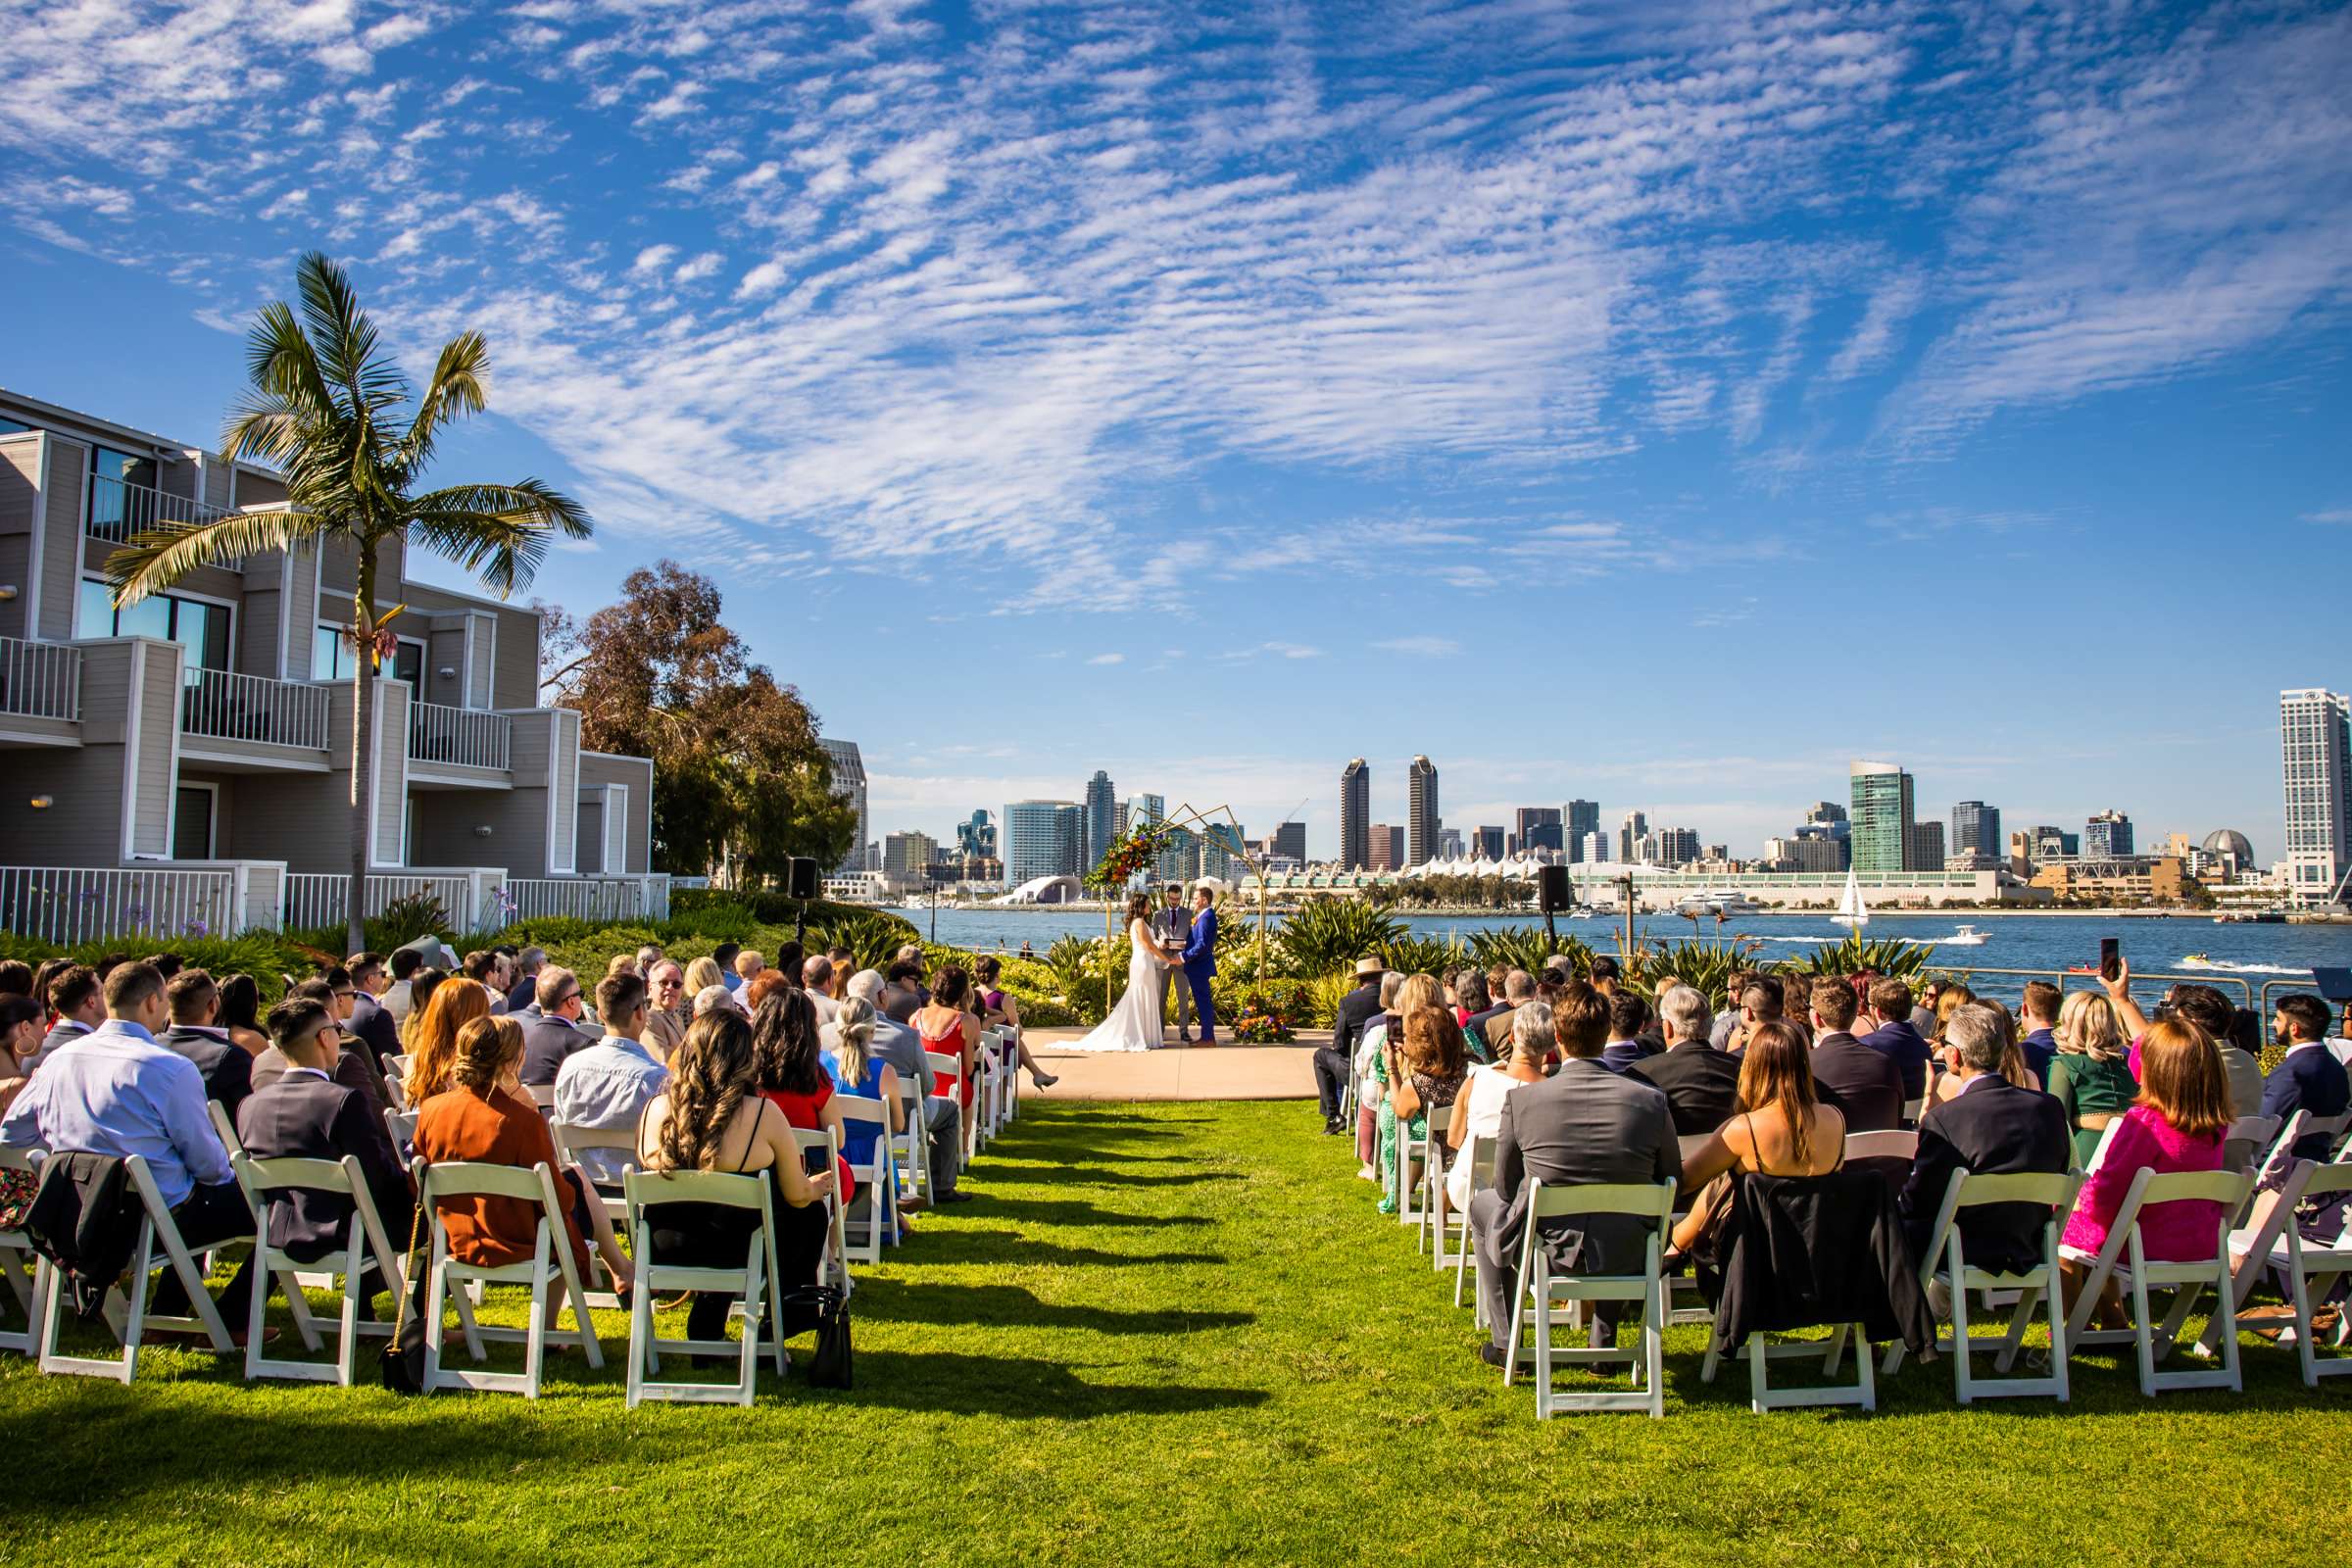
[(2229, 843)]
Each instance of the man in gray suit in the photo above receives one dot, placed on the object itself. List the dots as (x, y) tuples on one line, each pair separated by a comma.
[(1584, 1126), (1172, 923)]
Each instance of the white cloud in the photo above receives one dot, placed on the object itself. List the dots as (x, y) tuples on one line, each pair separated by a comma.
[(2331, 514), (1108, 659), (1420, 647), (653, 257), (699, 268)]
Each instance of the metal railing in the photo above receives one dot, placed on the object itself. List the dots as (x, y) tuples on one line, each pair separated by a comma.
[(439, 733), (590, 898), (120, 509), (253, 708), (40, 680), (66, 904), (2013, 980), (315, 899)]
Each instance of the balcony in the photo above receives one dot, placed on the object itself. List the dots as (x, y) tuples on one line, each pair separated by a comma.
[(120, 509), (466, 736), (227, 706), (40, 680)]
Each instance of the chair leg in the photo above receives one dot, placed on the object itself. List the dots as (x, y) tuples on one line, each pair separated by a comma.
[(534, 1342), (1963, 1385), (1862, 1360)]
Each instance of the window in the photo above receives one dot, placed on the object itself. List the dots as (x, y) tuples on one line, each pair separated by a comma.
[(332, 658), (8, 427), (200, 627), (121, 493)]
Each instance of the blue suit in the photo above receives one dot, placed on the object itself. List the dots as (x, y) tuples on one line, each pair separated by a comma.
[(1200, 959)]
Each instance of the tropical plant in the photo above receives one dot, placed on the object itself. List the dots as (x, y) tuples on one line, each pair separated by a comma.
[(405, 919), (1411, 955), (1326, 934), (871, 936), (1323, 999), (1887, 955), (326, 408), (1706, 966), (1526, 947)]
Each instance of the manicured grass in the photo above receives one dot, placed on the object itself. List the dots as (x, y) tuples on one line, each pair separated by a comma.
[(1165, 1333)]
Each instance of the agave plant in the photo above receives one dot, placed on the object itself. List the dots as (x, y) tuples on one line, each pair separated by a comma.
[(871, 937), (1526, 947), (1411, 955), (1887, 956), (1324, 935), (1706, 966)]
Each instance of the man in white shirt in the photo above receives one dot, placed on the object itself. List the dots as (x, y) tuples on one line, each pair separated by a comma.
[(607, 1085), (816, 978), (80, 1007)]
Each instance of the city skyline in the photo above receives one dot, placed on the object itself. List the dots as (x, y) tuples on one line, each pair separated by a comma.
[(1290, 382)]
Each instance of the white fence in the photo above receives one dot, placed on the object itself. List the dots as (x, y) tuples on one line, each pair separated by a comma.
[(254, 707), (120, 509), (66, 904), (40, 680), (590, 898), (315, 899), (439, 733)]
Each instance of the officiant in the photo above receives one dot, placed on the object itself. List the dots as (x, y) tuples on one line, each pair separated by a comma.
[(1173, 924)]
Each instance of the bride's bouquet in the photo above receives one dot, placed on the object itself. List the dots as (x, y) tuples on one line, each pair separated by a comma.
[(1130, 853)]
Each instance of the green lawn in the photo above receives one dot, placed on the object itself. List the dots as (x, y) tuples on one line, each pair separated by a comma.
[(1164, 1334)]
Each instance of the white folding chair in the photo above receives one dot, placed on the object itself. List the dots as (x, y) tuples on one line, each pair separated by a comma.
[(401, 1126), (2124, 1257), (911, 1146), (755, 1283), (543, 1097), (222, 1128), (130, 1318), (834, 1263), (1432, 1218), (943, 1068), (1912, 1109), (1538, 1288), (1946, 1259), (2247, 1137), (874, 1212), (365, 1242), (1411, 1160), (20, 1264), (2099, 1156), (2304, 1261), (1886, 1144), (551, 1259), (1479, 1154), (2255, 1244), (574, 1140), (1760, 1352)]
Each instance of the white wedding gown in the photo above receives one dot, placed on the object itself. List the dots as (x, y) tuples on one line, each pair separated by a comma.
[(1134, 1024)]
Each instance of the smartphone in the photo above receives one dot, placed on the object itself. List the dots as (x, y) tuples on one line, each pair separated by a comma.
[(2111, 957)]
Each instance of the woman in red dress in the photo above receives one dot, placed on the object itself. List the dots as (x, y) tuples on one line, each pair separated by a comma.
[(792, 1067), (947, 1029)]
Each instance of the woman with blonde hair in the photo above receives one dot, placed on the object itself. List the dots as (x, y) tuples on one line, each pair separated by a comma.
[(854, 1069), (1415, 991), (1779, 1127), (433, 1034), (1950, 997), (2091, 1076), (702, 974)]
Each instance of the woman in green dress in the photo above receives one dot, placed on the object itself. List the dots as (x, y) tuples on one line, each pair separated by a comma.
[(2091, 1076), (1418, 991)]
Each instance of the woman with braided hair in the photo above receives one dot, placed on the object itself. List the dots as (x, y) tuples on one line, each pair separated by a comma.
[(711, 1116)]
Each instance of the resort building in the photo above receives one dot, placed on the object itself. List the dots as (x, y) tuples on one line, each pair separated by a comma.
[(1880, 831), (188, 763)]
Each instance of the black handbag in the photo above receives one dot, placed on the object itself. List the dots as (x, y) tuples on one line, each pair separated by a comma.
[(831, 1364)]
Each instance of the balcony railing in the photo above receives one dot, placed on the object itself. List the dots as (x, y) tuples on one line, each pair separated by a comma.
[(65, 903), (439, 733), (120, 509), (40, 680), (315, 899), (590, 898), (253, 708)]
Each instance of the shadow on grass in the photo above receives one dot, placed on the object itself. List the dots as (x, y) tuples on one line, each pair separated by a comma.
[(997, 1306), (1017, 1388), (1098, 1176), (1078, 1211), (1004, 1248)]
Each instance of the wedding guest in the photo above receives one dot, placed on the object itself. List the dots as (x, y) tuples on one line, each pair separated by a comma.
[(1700, 1083), (997, 1008), (855, 1071), (1628, 1014), (722, 960), (704, 973), (792, 1069), (1370, 1104), (421, 986), (816, 979), (903, 991), (433, 1037), (1478, 1108), (1779, 1128), (2039, 1008), (399, 996), (665, 1023), (947, 1030), (607, 1085), (551, 1038), (2088, 1075), (1991, 1127), (903, 1048), (1333, 1064), (1893, 1035), (1430, 1071), (21, 1019), (16, 978), (194, 1003), (1517, 990), (76, 1006), (1415, 991), (1866, 1087)]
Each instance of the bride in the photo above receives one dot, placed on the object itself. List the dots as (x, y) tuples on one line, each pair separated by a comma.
[(1134, 1024)]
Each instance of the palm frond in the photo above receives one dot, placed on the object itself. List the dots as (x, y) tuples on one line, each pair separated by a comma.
[(458, 389), (345, 336), (156, 557)]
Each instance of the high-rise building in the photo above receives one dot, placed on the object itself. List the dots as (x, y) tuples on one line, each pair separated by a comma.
[(1486, 843), (1450, 843), (1923, 848), (1539, 827), (976, 837), (1593, 849), (1356, 816), (1630, 834), (907, 856), (1421, 812), (1881, 818), (1289, 842), (1675, 846), (1221, 852), (1044, 838), (2315, 743), (1102, 817), (1806, 851), (1977, 830), (1386, 848), (2107, 837), (1580, 820), (849, 781)]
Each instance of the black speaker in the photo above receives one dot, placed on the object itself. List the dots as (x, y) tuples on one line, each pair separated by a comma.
[(1552, 888), (801, 880)]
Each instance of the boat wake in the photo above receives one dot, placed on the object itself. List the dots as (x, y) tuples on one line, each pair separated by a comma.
[(2197, 960)]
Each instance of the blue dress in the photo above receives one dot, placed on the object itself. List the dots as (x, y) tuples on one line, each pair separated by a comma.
[(857, 1138)]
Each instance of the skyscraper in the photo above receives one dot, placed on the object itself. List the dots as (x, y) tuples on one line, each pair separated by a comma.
[(2107, 837), (1977, 830), (1924, 848), (1102, 817), (1677, 846), (2315, 742), (1538, 827), (1356, 816), (1387, 845), (849, 781), (1580, 820), (1593, 849), (1290, 841), (907, 856), (1630, 834), (1044, 838), (1882, 819), (1486, 843), (1421, 812), (976, 837)]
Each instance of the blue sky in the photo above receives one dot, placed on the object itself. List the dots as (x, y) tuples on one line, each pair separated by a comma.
[(1661, 405)]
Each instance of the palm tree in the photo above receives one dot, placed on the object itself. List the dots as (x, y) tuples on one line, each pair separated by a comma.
[(329, 409)]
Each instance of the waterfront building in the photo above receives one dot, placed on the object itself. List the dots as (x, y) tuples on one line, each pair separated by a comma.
[(1977, 830), (1805, 852), (1593, 849), (1538, 827), (1579, 821), (1356, 816), (1044, 838), (1421, 812), (2107, 837), (849, 782), (976, 837), (1881, 826), (2041, 844), (1289, 842), (907, 857), (1486, 844), (1102, 817), (1631, 836), (2231, 851), (1923, 848), (1674, 845), (2315, 742)]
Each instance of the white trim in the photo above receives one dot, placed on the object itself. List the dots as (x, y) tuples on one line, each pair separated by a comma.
[(165, 446), (567, 845), (212, 838), (179, 688), (37, 564), (285, 604), (135, 701), (617, 814)]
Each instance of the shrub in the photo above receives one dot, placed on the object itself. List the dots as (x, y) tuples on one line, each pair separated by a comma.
[(1429, 955), (1326, 934), (1324, 996), (266, 955), (1526, 947), (1887, 956), (1706, 966), (871, 936)]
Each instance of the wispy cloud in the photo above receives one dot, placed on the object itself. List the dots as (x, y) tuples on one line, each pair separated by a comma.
[(1108, 659), (1420, 647), (2330, 515)]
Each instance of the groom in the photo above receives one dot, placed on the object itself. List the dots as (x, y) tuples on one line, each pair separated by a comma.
[(1200, 960)]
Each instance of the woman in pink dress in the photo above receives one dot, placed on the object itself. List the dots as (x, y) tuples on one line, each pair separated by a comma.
[(2177, 1124)]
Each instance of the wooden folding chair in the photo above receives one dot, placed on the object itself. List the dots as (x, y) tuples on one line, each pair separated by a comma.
[(130, 1317), (551, 1258), (366, 1241), (1946, 1259), (876, 1210), (835, 1263), (2125, 1259), (20, 1264), (757, 1283), (1538, 1288)]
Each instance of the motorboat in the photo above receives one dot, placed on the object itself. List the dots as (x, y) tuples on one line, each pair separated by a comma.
[(1968, 936), (1718, 902)]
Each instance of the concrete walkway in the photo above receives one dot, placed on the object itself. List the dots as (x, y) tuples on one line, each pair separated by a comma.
[(1179, 1072)]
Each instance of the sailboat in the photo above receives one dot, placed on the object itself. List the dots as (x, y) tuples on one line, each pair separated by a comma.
[(1852, 910)]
